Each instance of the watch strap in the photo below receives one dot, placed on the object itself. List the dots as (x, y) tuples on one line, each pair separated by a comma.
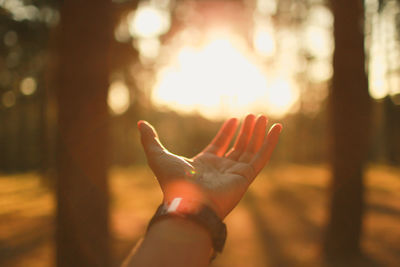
[(202, 215)]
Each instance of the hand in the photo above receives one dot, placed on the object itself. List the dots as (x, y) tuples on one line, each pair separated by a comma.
[(213, 177)]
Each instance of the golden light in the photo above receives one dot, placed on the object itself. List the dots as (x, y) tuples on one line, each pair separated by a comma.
[(118, 97), (8, 99), (149, 21), (221, 78), (378, 88), (318, 36), (318, 41), (383, 65), (282, 94), (28, 86), (320, 71), (264, 42), (149, 48)]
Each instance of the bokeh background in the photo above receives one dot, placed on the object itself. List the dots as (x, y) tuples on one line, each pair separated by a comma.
[(76, 76)]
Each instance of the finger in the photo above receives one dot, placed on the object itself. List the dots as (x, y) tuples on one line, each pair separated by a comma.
[(243, 138), (149, 138), (264, 154), (256, 140), (224, 136)]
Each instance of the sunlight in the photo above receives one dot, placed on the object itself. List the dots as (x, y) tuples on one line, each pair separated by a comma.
[(149, 47), (149, 21), (219, 79), (263, 40), (118, 97), (383, 62), (378, 88), (28, 86), (318, 41), (281, 96)]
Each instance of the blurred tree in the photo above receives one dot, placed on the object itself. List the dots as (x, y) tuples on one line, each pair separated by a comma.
[(23, 36), (350, 122), (82, 163)]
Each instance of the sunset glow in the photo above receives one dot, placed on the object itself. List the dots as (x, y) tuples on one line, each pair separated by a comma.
[(263, 40), (219, 79)]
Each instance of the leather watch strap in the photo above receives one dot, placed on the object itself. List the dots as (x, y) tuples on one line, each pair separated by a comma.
[(202, 215)]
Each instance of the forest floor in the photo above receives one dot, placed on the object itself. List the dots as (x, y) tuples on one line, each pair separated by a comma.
[(279, 222)]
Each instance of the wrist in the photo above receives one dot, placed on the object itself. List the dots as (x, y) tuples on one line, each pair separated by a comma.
[(197, 213), (174, 241), (180, 231), (192, 194)]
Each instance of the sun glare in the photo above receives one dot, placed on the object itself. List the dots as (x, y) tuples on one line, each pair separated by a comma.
[(149, 21), (264, 42), (220, 79)]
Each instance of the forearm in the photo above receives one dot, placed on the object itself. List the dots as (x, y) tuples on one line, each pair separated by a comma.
[(174, 242)]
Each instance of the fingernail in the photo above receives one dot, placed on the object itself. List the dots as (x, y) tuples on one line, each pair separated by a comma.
[(280, 127), (250, 115), (139, 124), (233, 120)]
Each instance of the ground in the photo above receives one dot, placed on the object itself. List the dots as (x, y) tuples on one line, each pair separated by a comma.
[(280, 221)]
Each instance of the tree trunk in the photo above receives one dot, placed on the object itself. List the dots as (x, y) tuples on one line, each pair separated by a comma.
[(82, 163), (350, 122)]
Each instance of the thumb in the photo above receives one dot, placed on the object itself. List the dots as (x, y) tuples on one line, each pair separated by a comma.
[(149, 138)]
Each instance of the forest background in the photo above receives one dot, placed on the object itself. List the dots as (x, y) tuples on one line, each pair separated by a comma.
[(76, 76)]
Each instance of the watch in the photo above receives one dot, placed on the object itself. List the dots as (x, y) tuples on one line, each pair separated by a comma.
[(201, 214)]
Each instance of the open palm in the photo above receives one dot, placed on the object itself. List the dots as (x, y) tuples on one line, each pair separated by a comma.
[(213, 177)]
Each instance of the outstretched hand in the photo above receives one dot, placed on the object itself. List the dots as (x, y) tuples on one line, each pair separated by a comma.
[(213, 177)]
